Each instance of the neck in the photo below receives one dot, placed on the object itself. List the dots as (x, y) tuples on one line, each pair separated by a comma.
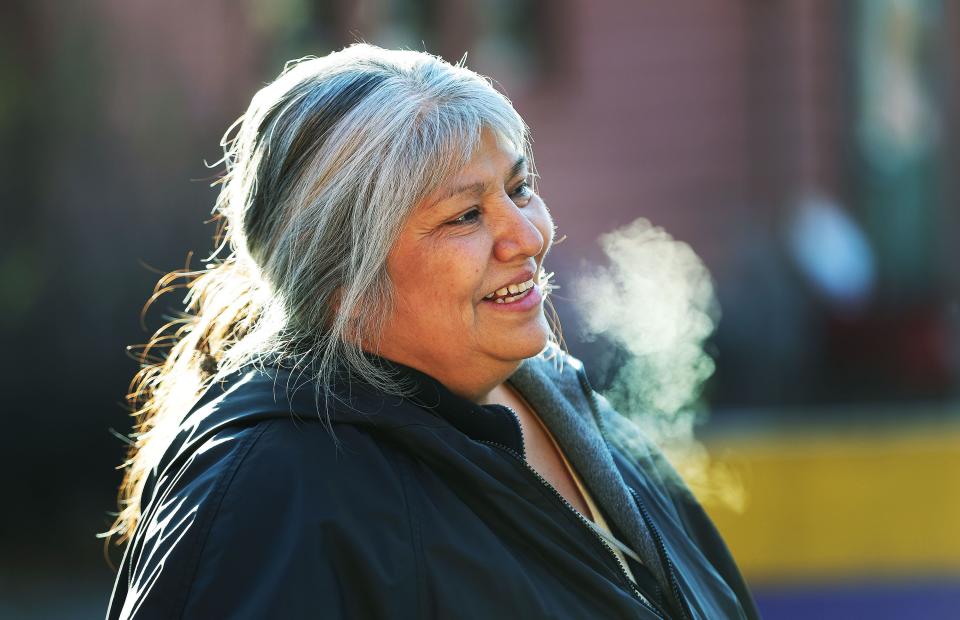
[(475, 382)]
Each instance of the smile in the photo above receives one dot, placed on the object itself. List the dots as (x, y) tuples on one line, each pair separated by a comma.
[(511, 293)]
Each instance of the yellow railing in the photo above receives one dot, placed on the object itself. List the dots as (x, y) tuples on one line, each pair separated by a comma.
[(857, 502)]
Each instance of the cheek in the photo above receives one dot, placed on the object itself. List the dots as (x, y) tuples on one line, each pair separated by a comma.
[(463, 264), (449, 271), (410, 279)]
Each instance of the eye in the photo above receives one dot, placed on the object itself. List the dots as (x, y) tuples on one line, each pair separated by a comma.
[(469, 217), (522, 191)]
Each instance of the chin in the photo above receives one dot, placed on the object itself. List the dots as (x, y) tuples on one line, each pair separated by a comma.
[(519, 349)]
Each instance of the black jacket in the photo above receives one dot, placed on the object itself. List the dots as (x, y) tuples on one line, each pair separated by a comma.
[(425, 509)]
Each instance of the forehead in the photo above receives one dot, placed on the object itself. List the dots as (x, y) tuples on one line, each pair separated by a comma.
[(494, 160)]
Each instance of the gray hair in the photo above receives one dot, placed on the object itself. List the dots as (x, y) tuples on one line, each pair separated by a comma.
[(328, 162), (321, 172)]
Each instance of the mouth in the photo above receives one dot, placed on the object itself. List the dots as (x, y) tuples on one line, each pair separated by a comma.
[(512, 293)]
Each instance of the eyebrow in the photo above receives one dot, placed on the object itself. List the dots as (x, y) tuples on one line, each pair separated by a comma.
[(478, 187)]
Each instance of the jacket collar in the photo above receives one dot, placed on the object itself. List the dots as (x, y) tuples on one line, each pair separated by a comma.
[(253, 394), (480, 422), (561, 395)]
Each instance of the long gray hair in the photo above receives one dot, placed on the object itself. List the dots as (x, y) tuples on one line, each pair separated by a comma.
[(321, 172)]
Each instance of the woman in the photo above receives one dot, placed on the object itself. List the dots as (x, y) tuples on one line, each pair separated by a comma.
[(365, 414)]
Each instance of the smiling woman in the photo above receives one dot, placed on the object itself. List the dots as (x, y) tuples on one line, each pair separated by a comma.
[(364, 412)]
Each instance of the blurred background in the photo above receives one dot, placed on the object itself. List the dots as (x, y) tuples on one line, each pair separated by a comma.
[(806, 150)]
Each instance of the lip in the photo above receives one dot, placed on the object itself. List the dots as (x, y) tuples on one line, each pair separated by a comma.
[(519, 277), (531, 300)]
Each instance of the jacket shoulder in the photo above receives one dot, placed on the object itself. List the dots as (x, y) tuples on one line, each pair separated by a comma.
[(302, 527), (265, 520)]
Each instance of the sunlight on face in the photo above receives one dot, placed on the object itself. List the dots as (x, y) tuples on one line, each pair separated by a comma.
[(482, 232)]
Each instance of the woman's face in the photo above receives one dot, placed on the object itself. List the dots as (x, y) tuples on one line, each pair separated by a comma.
[(484, 231)]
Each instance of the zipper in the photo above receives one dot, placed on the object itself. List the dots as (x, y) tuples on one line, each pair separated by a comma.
[(662, 550), (658, 538), (583, 520)]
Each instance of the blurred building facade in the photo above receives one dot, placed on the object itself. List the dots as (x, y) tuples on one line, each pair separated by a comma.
[(804, 149)]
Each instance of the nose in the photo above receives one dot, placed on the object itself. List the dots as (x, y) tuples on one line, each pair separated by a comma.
[(517, 235)]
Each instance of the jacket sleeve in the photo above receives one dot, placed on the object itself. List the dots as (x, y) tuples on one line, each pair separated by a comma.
[(276, 522)]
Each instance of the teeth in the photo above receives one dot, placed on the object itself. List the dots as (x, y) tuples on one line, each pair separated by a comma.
[(510, 300), (513, 290)]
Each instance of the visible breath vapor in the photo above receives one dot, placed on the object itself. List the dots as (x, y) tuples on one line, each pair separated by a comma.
[(655, 303)]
